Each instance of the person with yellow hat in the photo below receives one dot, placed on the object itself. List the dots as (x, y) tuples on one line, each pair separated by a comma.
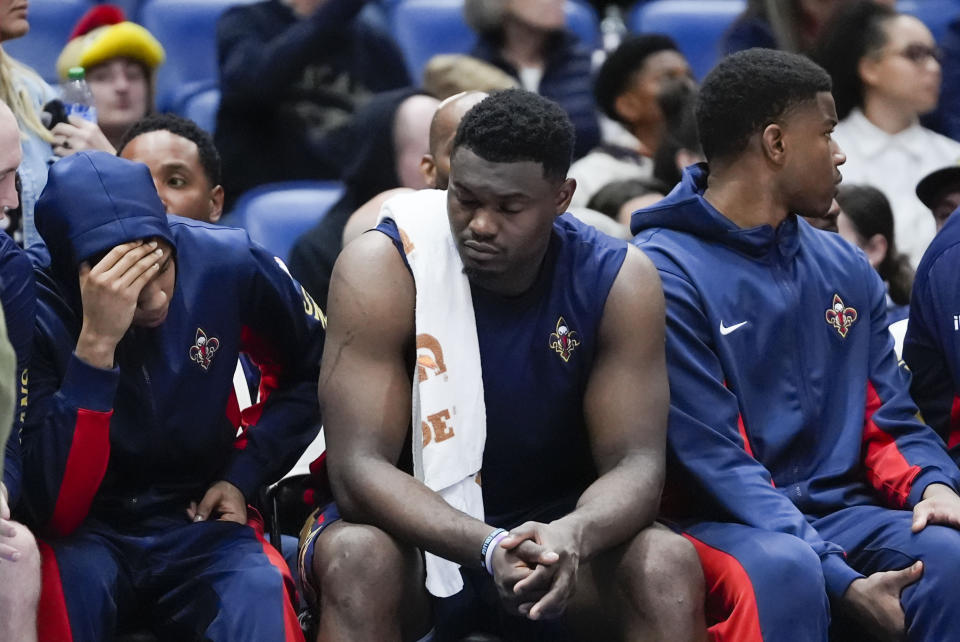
[(119, 58)]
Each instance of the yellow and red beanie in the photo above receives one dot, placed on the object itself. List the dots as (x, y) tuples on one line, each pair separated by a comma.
[(103, 33)]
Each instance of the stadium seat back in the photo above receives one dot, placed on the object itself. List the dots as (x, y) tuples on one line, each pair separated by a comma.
[(425, 28), (936, 14), (698, 26), (277, 214), (187, 29), (201, 107), (51, 22)]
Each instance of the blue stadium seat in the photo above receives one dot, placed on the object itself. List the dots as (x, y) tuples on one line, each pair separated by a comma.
[(188, 31), (936, 14), (698, 26), (276, 214), (201, 107), (425, 28), (51, 22)]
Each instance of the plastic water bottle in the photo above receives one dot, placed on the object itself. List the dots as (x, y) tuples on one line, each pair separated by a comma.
[(612, 28), (77, 97)]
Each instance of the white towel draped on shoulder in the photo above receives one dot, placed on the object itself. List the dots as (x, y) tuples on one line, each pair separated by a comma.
[(447, 383)]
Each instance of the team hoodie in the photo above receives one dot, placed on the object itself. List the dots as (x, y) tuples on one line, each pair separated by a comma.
[(786, 399), (153, 433)]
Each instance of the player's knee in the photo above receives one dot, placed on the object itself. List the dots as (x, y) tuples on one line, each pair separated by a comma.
[(788, 561), (358, 560), (663, 566), (21, 579)]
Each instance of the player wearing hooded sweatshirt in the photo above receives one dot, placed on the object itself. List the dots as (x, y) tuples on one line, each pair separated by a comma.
[(130, 444), (790, 420)]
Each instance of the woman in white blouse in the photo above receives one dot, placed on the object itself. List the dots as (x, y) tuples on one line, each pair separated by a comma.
[(886, 74)]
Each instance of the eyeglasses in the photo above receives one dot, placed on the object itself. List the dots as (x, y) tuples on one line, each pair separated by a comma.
[(918, 54)]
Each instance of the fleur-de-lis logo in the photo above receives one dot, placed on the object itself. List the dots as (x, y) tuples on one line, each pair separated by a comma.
[(203, 348), (840, 316), (564, 340)]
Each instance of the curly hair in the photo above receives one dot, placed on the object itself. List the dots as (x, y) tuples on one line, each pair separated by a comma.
[(185, 128), (855, 32), (621, 65), (747, 91), (516, 125)]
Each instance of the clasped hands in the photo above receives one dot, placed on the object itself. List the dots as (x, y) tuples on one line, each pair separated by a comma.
[(535, 569)]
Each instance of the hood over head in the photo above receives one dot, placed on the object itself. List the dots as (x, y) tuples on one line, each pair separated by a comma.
[(94, 201), (685, 210)]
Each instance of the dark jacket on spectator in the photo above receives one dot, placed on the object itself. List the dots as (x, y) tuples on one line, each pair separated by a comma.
[(567, 80), (372, 169), (288, 83)]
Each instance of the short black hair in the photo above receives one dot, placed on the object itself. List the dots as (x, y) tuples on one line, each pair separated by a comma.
[(186, 128), (747, 91), (620, 66), (515, 125), (855, 31)]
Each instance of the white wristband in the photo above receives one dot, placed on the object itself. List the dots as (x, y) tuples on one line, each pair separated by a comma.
[(488, 558)]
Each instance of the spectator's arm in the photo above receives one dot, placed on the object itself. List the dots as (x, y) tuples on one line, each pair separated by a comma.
[(256, 68)]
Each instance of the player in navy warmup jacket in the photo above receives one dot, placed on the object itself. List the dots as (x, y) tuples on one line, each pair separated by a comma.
[(134, 469), (807, 474)]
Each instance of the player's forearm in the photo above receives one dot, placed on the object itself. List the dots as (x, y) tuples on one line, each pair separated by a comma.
[(618, 504), (373, 491)]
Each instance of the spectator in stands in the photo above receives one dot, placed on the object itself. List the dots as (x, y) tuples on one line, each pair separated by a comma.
[(19, 557), (628, 89), (789, 25), (435, 164), (132, 460), (529, 41), (620, 199), (885, 75), (680, 146), (183, 162), (447, 75), (119, 58), (292, 72), (390, 136), (25, 92), (866, 221), (940, 192)]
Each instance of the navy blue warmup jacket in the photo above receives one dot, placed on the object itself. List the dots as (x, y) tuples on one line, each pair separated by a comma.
[(787, 402), (153, 433)]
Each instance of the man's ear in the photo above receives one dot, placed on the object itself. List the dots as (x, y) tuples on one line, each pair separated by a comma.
[(428, 169), (773, 143), (565, 195), (216, 203)]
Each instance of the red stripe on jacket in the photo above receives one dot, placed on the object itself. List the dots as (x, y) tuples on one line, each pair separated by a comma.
[(953, 438), (887, 469), (86, 466)]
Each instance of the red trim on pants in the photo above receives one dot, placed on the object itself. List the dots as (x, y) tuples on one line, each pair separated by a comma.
[(53, 623), (731, 607), (291, 624)]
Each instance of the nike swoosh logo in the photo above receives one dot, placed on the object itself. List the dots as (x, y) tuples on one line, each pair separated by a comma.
[(725, 330)]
